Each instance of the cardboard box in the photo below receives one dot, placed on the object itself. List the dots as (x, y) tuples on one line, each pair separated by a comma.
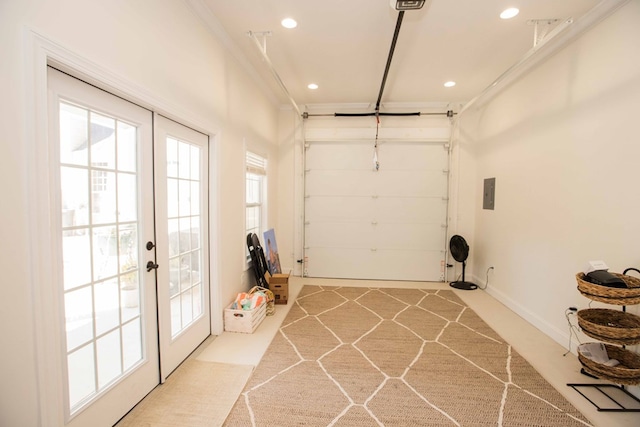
[(280, 292), (279, 285), (245, 321)]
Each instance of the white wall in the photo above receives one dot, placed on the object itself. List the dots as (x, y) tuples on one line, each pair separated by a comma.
[(562, 143), (162, 48)]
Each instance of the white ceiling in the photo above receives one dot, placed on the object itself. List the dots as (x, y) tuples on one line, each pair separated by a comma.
[(343, 45)]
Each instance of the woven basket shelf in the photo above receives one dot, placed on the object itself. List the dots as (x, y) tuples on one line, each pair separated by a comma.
[(626, 373), (616, 296), (617, 327)]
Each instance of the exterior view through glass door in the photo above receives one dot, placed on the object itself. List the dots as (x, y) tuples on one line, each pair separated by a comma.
[(115, 310), (181, 176)]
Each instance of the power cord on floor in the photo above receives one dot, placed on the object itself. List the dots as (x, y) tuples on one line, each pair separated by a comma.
[(486, 283), (573, 329)]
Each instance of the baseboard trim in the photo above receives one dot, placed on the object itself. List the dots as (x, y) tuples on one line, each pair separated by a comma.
[(545, 327)]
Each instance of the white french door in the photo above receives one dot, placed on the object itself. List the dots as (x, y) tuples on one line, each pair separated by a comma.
[(181, 176), (133, 286), (103, 189)]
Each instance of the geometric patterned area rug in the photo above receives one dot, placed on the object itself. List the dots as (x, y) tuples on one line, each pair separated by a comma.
[(352, 356)]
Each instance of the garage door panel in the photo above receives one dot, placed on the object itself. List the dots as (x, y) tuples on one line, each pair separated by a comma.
[(411, 183), (338, 208), (410, 209), (339, 183), (408, 265), (417, 156), (413, 237), (381, 236), (350, 263), (374, 265), (339, 235), (339, 155)]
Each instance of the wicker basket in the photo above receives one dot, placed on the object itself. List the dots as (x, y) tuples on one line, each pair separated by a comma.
[(626, 373), (617, 296), (271, 309), (613, 326)]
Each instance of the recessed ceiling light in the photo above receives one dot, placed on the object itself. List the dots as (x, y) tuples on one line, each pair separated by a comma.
[(289, 23), (312, 86), (509, 13), (449, 84)]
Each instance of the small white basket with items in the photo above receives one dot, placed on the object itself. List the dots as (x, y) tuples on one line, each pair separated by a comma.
[(247, 312)]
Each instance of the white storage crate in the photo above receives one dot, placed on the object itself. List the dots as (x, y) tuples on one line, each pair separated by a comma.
[(245, 321)]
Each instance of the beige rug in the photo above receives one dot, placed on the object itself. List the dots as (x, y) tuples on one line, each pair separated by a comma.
[(348, 356), (197, 394)]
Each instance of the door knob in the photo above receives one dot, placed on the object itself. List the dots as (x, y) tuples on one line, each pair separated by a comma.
[(152, 266), (150, 245)]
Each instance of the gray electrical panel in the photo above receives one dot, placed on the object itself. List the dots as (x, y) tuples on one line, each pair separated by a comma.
[(489, 193)]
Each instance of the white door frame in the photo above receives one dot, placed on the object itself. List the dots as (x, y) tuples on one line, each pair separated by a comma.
[(42, 51)]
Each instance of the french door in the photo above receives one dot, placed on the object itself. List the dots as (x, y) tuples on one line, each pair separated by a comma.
[(115, 256), (181, 176)]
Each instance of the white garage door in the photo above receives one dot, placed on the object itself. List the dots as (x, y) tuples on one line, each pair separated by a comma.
[(388, 224)]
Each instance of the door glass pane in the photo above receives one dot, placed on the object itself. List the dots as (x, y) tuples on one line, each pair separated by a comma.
[(109, 362), (195, 164), (105, 252), (127, 147), (184, 212), (74, 135), (102, 137), (81, 368), (79, 317), (187, 307), (184, 198), (75, 196), (76, 257), (172, 157), (197, 302), (195, 197), (131, 350), (172, 195), (128, 251), (100, 223), (103, 195), (127, 197), (176, 321), (184, 160), (107, 309), (195, 237)]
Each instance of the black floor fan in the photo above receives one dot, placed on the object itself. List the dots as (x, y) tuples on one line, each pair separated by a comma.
[(460, 251)]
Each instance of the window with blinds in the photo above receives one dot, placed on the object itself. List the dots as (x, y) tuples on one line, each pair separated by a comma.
[(255, 194)]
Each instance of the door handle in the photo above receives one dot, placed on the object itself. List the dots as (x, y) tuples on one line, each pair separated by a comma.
[(152, 266)]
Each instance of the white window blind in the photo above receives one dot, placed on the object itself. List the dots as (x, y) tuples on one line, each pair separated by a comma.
[(256, 164)]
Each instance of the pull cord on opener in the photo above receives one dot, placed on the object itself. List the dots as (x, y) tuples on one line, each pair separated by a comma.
[(376, 163)]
